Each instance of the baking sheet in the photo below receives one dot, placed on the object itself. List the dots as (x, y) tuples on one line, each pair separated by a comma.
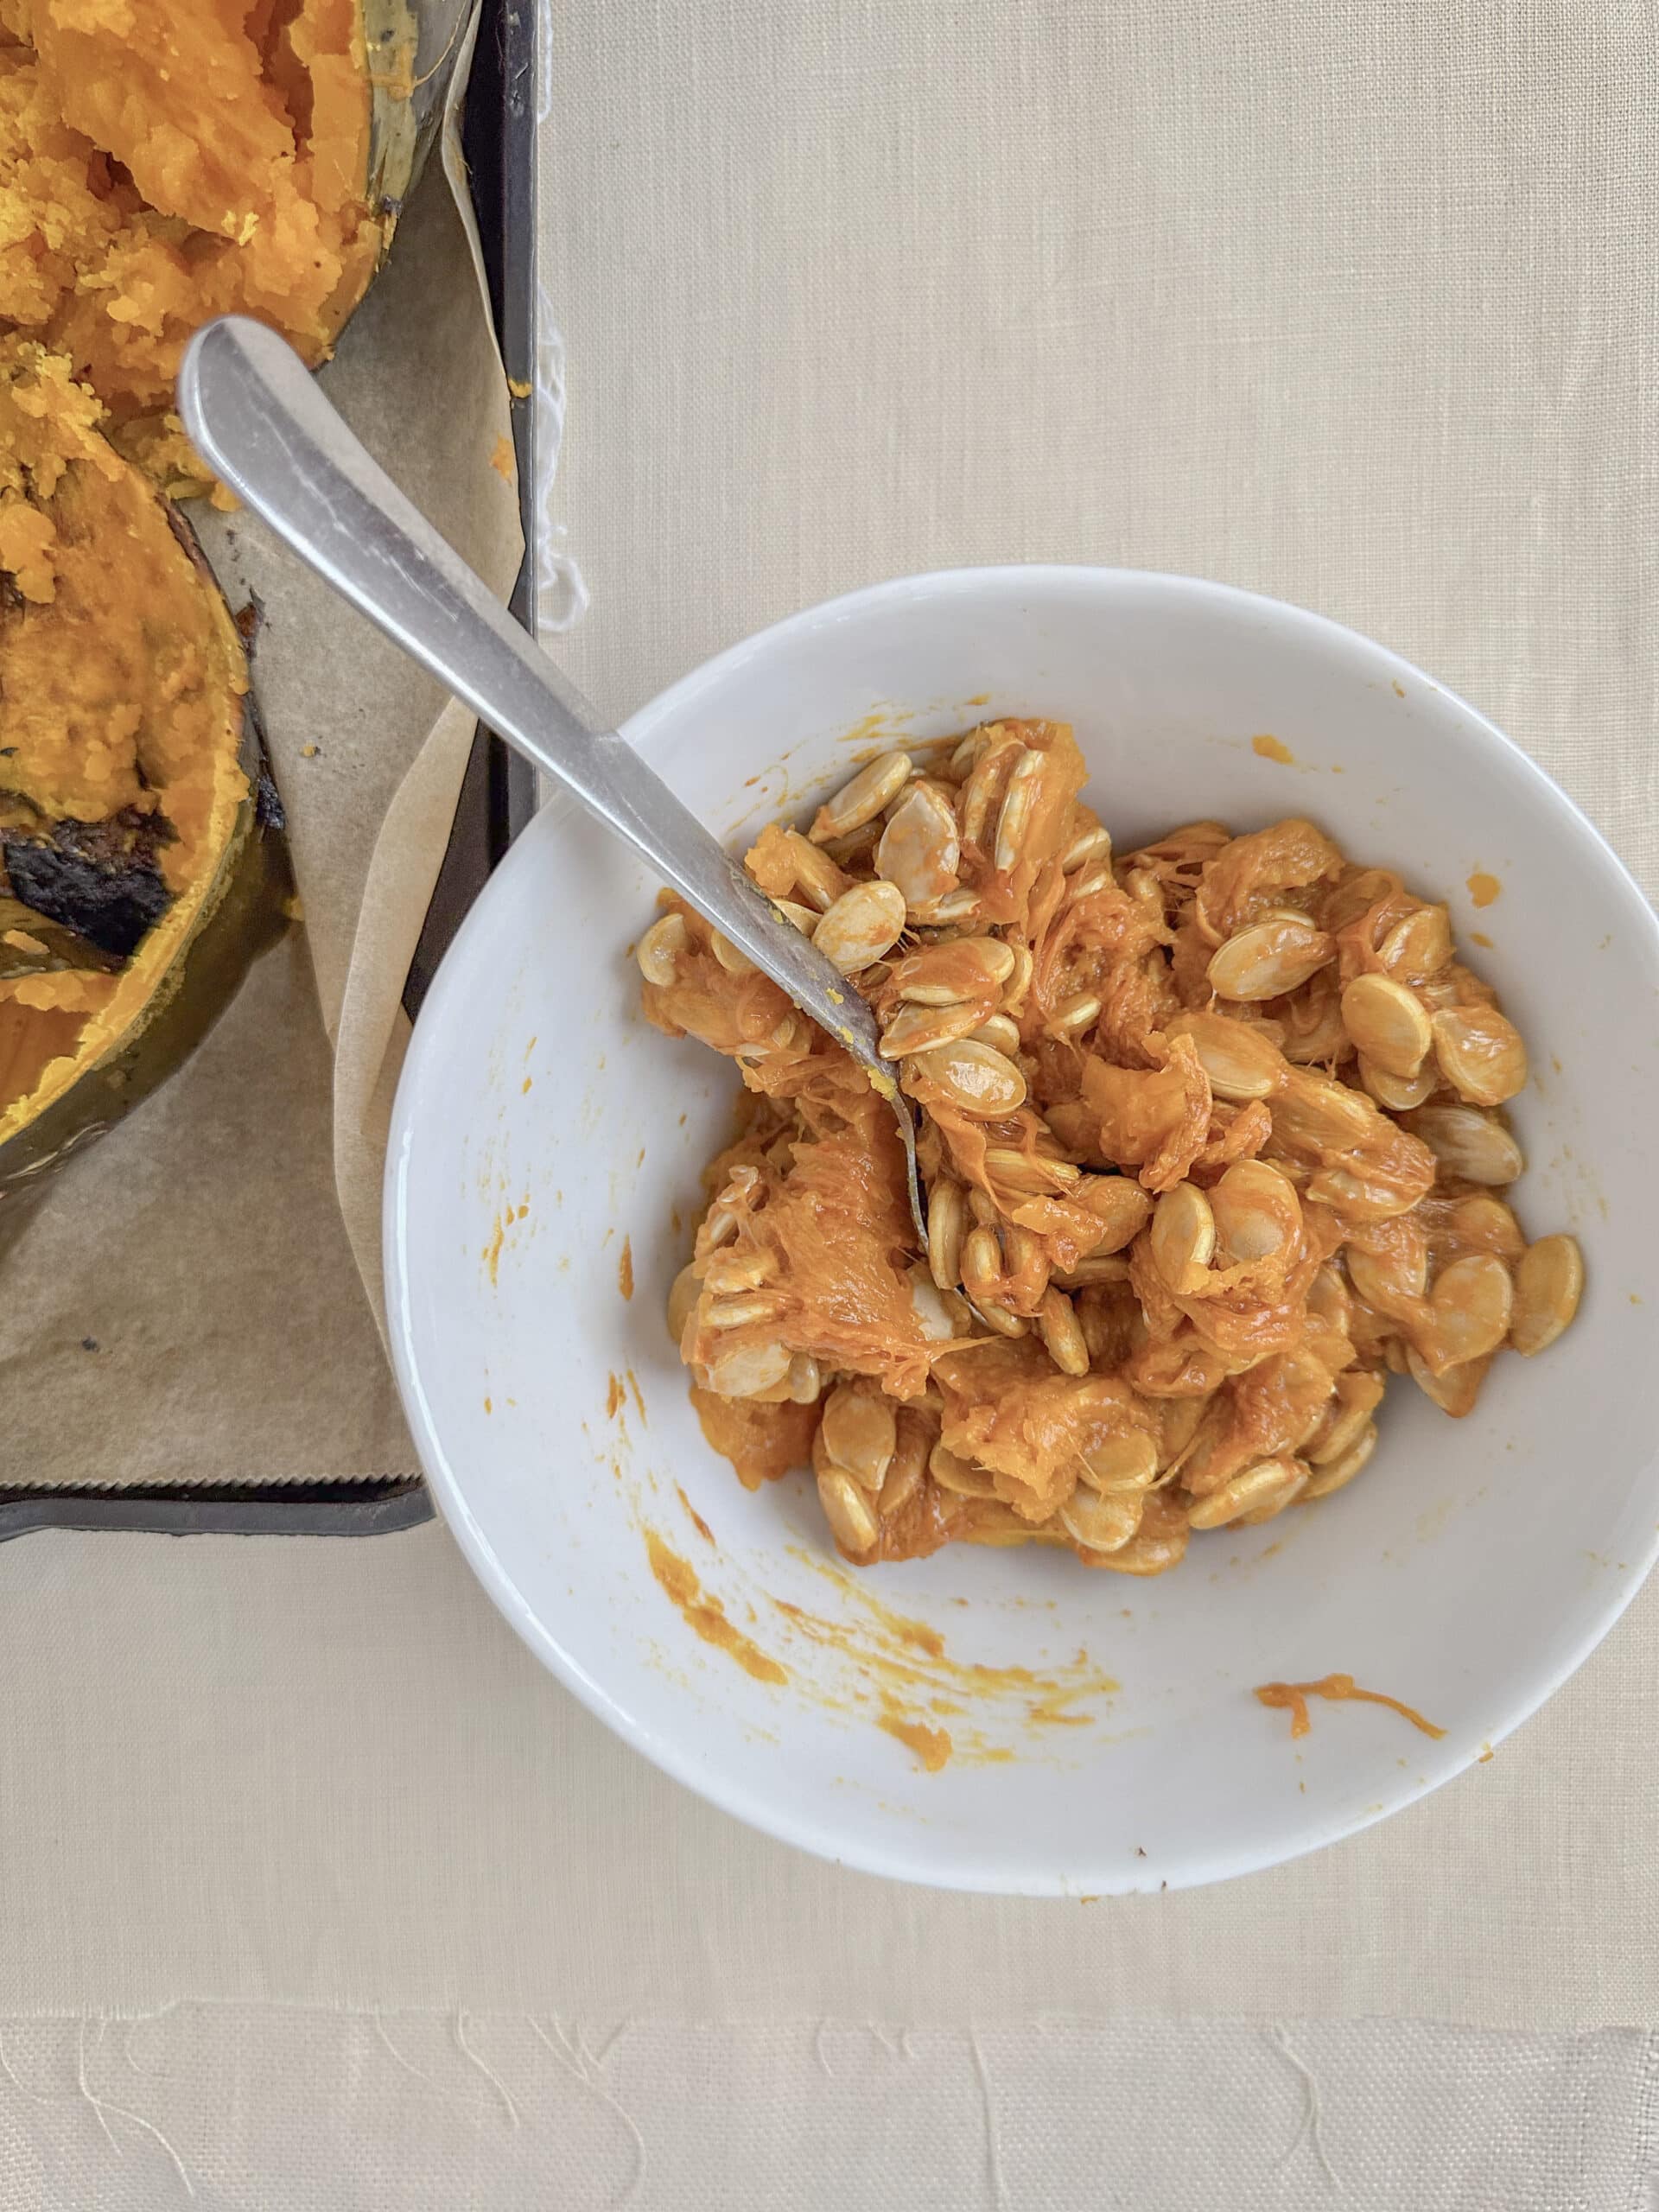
[(200, 1246)]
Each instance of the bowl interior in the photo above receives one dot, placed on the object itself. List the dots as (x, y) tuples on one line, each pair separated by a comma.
[(546, 1153)]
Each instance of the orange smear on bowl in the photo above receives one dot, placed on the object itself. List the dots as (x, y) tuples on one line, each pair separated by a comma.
[(704, 1615), (1291, 1698), (932, 1746)]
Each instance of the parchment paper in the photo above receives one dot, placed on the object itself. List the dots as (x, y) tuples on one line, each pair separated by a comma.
[(199, 1246)]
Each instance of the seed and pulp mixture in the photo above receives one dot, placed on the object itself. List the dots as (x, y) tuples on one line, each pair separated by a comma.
[(1213, 1141)]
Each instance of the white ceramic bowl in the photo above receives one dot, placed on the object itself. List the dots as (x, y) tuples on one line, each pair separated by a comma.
[(541, 1124)]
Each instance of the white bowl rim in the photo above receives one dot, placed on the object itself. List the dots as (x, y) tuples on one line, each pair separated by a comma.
[(770, 1813)]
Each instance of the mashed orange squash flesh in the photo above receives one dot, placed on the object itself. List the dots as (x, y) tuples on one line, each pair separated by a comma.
[(1213, 1141), (122, 681), (163, 161)]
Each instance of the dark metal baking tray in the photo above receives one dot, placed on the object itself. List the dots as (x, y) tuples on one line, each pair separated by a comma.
[(497, 799)]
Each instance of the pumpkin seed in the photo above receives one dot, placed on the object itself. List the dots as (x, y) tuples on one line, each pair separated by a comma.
[(1095, 844), (721, 1223), (1088, 881), (1354, 1399), (1399, 1094), (984, 788), (862, 799), (977, 1079), (1455, 1390), (1468, 1144), (1471, 1303), (739, 1312), (727, 1272), (1073, 1015), (853, 854), (1057, 1324), (659, 949), (735, 961), (1312, 1024), (1391, 1282), (1332, 1474), (1265, 1488), (1481, 1054), (1549, 1284), (1025, 1260), (945, 975), (816, 878), (1126, 1462), (1030, 1172), (863, 924), (748, 1370), (1183, 1235), (919, 1028), (1242, 1061), (1269, 959), (852, 1518), (1001, 1318), (859, 1433), (966, 754), (1094, 1269), (1019, 979), (1159, 1544), (947, 1222), (805, 1378), (903, 1477), (1102, 1522), (1321, 1116), (982, 1263), (1328, 1299), (1256, 1212), (1386, 1023), (955, 911), (959, 1476), (1013, 818), (1489, 1223), (805, 918), (1419, 946), (681, 1297), (919, 850), (1001, 1035)]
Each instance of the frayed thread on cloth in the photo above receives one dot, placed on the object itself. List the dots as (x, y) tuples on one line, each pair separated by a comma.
[(83, 2094), (1308, 2128)]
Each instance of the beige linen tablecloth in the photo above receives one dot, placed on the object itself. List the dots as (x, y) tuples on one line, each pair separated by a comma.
[(1352, 303)]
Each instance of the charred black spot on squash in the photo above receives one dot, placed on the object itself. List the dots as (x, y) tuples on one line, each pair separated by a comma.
[(100, 878)]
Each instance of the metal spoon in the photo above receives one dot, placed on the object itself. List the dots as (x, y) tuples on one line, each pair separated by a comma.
[(258, 419)]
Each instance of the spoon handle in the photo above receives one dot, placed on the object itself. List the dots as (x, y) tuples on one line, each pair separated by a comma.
[(258, 417)]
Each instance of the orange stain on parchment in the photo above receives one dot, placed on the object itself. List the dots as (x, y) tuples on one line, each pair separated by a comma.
[(1480, 938), (1291, 1698), (614, 1395), (501, 460), (1272, 748), (625, 1269), (1482, 888), (703, 1613)]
